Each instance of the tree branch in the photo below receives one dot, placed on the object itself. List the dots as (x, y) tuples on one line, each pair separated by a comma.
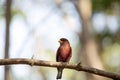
[(77, 67)]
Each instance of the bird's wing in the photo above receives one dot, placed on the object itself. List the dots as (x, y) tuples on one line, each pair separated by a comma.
[(58, 54)]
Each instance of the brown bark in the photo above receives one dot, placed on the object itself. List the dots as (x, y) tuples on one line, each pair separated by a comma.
[(8, 18), (78, 67)]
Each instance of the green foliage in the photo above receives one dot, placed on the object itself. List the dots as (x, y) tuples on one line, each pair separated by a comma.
[(14, 11), (109, 44), (103, 5), (17, 12)]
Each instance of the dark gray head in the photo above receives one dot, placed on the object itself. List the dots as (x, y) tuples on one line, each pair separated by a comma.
[(63, 41)]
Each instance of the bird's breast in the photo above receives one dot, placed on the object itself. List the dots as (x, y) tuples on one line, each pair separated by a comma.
[(65, 51)]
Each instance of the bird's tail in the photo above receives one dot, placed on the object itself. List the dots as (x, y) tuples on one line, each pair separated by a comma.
[(59, 75)]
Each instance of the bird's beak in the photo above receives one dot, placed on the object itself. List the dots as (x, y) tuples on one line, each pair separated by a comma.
[(60, 41)]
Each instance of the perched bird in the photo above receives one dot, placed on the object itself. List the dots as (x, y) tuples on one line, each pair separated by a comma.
[(63, 54)]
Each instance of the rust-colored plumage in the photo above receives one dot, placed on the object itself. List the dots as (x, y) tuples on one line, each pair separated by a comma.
[(64, 54)]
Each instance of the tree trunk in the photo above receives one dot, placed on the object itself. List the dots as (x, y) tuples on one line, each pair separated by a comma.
[(89, 47), (8, 19)]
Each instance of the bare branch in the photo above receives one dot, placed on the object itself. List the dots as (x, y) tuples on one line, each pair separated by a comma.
[(77, 67)]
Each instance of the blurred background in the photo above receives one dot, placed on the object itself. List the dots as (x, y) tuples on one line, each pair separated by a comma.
[(33, 27)]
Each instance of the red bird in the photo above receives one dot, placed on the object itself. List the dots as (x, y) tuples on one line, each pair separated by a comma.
[(64, 54)]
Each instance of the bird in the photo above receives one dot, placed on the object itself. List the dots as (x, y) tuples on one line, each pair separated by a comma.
[(64, 53)]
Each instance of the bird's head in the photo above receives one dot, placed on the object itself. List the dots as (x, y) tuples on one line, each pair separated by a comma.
[(63, 41)]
